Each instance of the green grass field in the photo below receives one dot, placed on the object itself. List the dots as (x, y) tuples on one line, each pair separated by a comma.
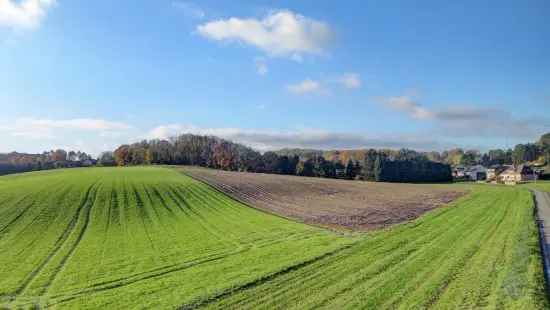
[(118, 238), (539, 185)]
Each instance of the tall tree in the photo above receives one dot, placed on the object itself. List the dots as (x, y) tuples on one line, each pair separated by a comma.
[(106, 159), (305, 168), (368, 167), (350, 169), (122, 155), (378, 168)]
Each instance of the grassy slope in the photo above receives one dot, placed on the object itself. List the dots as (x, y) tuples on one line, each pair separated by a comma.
[(481, 253), (147, 237), (152, 238)]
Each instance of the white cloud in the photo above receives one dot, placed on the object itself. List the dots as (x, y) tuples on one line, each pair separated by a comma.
[(408, 105), (45, 128), (350, 80), (26, 14), (306, 86), (265, 140), (261, 66), (189, 9), (166, 131), (280, 33)]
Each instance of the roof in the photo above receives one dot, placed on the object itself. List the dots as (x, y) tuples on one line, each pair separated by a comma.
[(522, 169)]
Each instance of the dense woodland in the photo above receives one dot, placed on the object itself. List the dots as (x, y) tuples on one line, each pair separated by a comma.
[(213, 152), (207, 151)]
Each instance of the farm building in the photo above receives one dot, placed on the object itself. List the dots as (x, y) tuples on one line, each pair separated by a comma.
[(459, 172), (514, 175), (476, 173)]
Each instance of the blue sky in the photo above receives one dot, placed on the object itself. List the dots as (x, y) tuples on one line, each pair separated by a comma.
[(324, 74)]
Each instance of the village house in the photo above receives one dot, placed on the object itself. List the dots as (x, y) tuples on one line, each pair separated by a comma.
[(514, 175), (494, 171)]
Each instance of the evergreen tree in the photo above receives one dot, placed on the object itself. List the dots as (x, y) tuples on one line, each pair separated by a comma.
[(305, 168), (368, 167), (350, 170), (378, 168)]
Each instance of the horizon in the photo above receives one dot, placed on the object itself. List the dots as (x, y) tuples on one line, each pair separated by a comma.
[(283, 149), (90, 76)]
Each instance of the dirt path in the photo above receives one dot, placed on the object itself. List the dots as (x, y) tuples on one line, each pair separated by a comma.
[(543, 217)]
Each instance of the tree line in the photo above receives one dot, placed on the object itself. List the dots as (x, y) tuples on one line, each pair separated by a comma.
[(21, 162), (520, 154), (213, 152), (208, 151)]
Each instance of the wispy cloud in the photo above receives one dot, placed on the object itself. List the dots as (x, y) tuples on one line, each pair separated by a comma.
[(307, 86), (325, 86), (40, 134), (350, 81), (462, 120), (46, 128), (304, 138), (409, 106), (280, 33), (189, 9), (26, 14)]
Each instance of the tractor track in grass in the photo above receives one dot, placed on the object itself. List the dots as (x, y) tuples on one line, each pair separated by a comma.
[(211, 299), (21, 200), (151, 204), (30, 224), (122, 282), (87, 209), (156, 194), (144, 215), (16, 217), (58, 245)]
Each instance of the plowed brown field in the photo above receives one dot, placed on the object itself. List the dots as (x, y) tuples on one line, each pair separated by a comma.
[(331, 203)]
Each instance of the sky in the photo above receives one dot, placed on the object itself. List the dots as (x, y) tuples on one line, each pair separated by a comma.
[(90, 75)]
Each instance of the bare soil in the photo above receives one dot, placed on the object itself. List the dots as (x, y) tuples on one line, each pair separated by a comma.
[(353, 205)]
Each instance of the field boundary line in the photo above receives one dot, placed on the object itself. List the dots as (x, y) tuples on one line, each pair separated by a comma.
[(250, 205)]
